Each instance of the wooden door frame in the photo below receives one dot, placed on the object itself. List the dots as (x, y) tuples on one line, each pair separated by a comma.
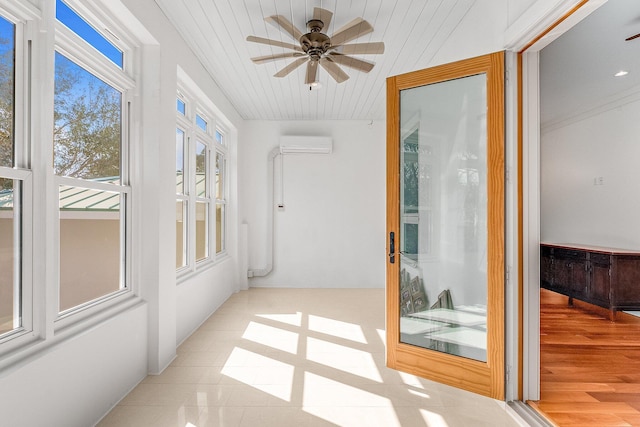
[(480, 377)]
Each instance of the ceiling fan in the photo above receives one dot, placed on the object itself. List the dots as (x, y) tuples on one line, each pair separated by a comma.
[(632, 37), (316, 48)]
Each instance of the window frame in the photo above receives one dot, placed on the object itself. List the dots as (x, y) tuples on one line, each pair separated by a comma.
[(221, 148), (182, 197), (73, 47), (22, 17), (195, 110), (38, 36)]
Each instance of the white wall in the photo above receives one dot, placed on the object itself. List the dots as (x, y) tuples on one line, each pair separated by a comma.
[(75, 383), (574, 210), (172, 318), (331, 232)]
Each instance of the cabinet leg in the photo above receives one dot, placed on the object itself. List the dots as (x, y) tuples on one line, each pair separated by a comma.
[(570, 302)]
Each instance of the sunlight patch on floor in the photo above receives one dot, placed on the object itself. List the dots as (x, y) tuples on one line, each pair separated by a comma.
[(272, 337), (419, 393), (411, 380), (432, 419), (337, 328), (263, 373), (347, 359), (320, 391)]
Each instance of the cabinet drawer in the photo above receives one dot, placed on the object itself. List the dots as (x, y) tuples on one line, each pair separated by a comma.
[(600, 258)]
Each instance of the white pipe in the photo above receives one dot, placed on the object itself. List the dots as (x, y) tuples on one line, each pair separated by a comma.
[(270, 222)]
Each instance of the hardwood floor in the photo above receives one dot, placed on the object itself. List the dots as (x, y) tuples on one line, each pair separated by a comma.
[(590, 366)]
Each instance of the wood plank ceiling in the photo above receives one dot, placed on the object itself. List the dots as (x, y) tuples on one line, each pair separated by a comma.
[(413, 32)]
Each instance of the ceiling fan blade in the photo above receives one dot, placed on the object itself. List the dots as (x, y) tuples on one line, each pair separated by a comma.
[(323, 15), (289, 68), (374, 48), (632, 37), (267, 58), (312, 72), (280, 21), (270, 42), (354, 29), (334, 70), (351, 62)]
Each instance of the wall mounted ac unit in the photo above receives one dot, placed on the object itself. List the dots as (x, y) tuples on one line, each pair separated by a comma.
[(305, 144)]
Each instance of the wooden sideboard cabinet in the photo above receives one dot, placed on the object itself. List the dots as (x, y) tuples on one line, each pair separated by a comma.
[(606, 277)]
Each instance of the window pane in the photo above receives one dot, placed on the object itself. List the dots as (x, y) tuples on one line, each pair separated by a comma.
[(202, 225), (9, 259), (179, 161), (220, 221), (180, 106), (87, 128), (202, 123), (449, 267), (181, 234), (201, 170), (79, 26), (219, 137), (219, 176), (7, 49), (90, 245)]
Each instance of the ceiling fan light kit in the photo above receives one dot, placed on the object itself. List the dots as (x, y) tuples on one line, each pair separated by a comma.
[(316, 48)]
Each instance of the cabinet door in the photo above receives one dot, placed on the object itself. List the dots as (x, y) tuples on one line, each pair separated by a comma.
[(578, 284), (546, 268), (570, 276), (600, 279), (626, 273)]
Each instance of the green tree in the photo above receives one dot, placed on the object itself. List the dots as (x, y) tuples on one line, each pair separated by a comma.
[(87, 123)]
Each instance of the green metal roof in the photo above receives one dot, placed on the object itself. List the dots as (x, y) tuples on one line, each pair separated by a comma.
[(87, 199)]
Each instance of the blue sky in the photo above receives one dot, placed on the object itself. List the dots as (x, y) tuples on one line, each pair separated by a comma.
[(6, 33), (79, 26)]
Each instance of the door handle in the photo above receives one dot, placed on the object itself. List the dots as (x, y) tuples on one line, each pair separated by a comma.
[(392, 247)]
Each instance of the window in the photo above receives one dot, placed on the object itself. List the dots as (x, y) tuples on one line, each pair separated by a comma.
[(182, 201), (199, 193), (416, 198), (91, 100), (14, 183), (181, 106), (79, 26), (220, 197), (74, 236), (202, 200), (411, 179)]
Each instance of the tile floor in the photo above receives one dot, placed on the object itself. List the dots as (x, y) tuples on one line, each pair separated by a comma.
[(296, 357)]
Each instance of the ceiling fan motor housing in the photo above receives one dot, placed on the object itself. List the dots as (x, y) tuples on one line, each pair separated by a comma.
[(315, 43)]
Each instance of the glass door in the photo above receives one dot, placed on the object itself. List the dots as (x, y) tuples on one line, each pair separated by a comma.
[(445, 224)]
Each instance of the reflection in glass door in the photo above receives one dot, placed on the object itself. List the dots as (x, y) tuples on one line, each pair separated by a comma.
[(445, 224), (443, 278)]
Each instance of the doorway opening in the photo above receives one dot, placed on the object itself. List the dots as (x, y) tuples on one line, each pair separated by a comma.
[(588, 121)]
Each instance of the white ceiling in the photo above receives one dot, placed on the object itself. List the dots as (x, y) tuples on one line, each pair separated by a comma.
[(413, 32), (577, 69)]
